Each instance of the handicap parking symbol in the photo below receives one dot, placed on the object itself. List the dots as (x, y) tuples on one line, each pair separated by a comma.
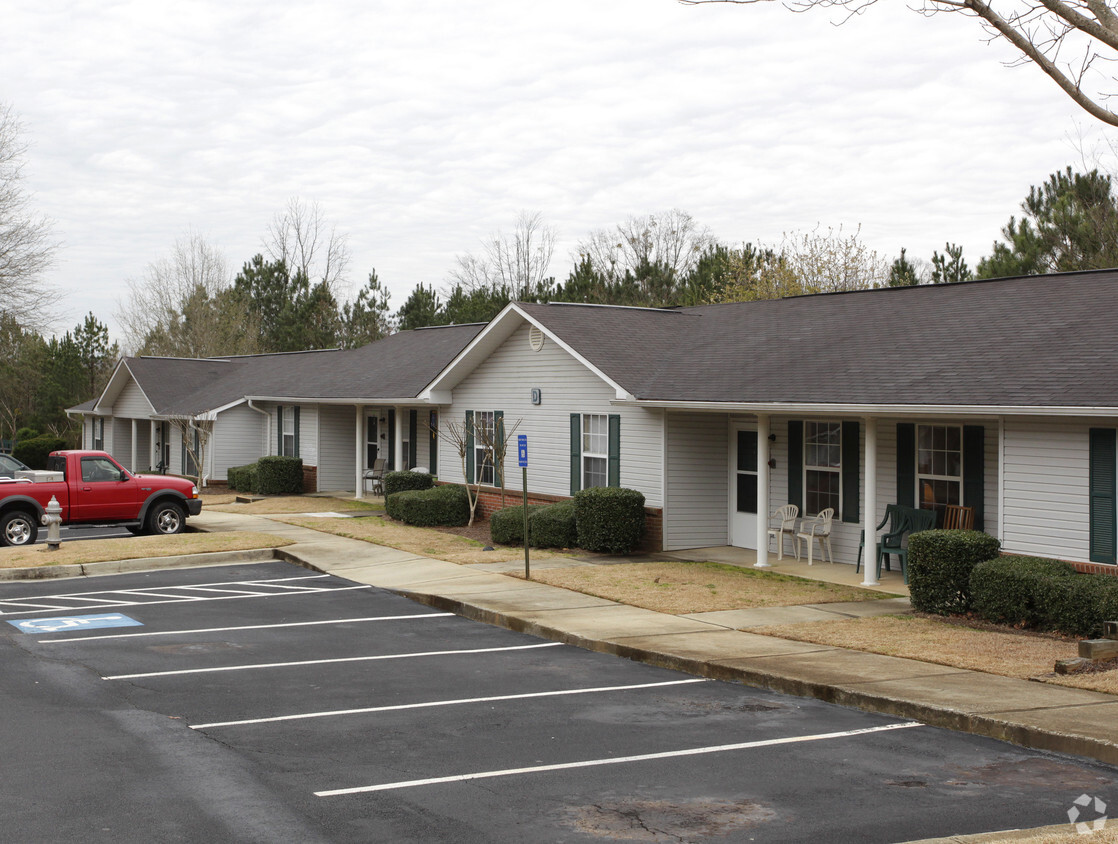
[(73, 622)]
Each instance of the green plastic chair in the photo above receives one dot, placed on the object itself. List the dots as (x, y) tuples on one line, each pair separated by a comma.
[(913, 521)]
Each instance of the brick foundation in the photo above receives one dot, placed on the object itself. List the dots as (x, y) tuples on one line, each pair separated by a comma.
[(310, 478), (489, 502)]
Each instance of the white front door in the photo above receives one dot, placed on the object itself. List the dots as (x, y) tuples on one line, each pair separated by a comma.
[(743, 485)]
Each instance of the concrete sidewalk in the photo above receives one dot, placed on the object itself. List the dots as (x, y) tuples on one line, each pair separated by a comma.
[(1027, 713)]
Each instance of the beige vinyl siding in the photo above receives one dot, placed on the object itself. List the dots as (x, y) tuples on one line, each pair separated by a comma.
[(236, 440), (1047, 466), (697, 456), (504, 382), (336, 432)]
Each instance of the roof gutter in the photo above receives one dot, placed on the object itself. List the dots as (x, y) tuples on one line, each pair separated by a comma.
[(846, 409)]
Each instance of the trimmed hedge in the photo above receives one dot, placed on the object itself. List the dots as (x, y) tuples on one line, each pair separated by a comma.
[(609, 519), (279, 475), (401, 481), (940, 563), (506, 527), (242, 478), (553, 526), (442, 505), (1077, 605), (35, 451), (1005, 589)]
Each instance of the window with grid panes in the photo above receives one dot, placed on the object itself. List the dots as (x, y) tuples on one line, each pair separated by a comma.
[(822, 466), (939, 466), (595, 450)]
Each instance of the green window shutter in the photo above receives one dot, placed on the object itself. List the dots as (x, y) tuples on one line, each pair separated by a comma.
[(851, 473), (469, 446), (279, 431), (411, 438), (295, 410), (906, 464), (390, 464), (499, 437), (974, 485), (613, 466), (1101, 485), (576, 453), (433, 425), (795, 464)]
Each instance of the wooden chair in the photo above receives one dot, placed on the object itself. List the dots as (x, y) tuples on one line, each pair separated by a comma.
[(958, 518), (787, 515), (819, 529), (376, 475)]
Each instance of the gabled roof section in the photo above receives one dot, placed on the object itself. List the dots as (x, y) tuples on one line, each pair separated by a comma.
[(608, 340), (397, 367)]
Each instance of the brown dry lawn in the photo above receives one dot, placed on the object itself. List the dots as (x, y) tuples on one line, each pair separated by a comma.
[(226, 503), (1010, 653), (679, 588), (135, 547), (442, 545)]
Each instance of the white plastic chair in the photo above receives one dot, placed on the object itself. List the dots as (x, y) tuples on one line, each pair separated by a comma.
[(787, 515), (819, 528)]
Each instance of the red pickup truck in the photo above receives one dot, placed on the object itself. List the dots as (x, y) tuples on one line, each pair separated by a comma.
[(95, 489)]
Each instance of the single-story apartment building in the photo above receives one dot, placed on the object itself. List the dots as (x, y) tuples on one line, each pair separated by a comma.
[(998, 395)]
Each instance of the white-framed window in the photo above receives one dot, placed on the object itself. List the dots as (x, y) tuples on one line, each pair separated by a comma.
[(98, 432), (939, 466), (822, 467), (484, 436), (595, 450)]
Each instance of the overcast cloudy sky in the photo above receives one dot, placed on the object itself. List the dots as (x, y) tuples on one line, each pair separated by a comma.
[(421, 126)]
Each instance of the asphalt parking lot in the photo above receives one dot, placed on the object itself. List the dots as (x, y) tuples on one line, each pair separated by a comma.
[(270, 703)]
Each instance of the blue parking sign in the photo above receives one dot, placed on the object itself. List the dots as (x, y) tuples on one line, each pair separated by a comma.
[(522, 450)]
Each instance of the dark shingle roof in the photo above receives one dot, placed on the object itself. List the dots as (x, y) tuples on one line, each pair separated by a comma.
[(399, 366), (1039, 341)]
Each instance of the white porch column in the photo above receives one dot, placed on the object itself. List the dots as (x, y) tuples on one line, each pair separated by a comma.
[(869, 513), (762, 491), (359, 450), (398, 443), (153, 444), (132, 465)]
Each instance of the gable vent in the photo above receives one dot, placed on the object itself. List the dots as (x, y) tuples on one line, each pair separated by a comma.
[(535, 338)]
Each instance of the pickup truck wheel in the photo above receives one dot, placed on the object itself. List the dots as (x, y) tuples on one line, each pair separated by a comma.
[(18, 528), (167, 518)]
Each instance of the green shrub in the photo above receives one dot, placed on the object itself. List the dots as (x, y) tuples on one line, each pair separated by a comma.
[(1077, 605), (506, 527), (553, 526), (442, 505), (279, 475), (1004, 590), (940, 563), (609, 519), (26, 434), (242, 478), (400, 481), (34, 451)]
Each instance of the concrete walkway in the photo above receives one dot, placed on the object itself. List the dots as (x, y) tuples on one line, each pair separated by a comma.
[(1031, 714)]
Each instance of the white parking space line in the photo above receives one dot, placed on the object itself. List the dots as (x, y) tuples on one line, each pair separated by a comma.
[(247, 627), (188, 598), (433, 703), (621, 760), (330, 661)]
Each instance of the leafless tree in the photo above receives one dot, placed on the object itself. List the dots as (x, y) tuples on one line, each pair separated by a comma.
[(26, 244), (190, 429), (517, 263), (671, 240), (489, 444), (301, 238), (1070, 40), (184, 306)]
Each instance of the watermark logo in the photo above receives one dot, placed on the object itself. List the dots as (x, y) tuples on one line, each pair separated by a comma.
[(1083, 806)]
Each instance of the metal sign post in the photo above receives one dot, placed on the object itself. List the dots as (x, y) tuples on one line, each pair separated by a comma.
[(522, 459)]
